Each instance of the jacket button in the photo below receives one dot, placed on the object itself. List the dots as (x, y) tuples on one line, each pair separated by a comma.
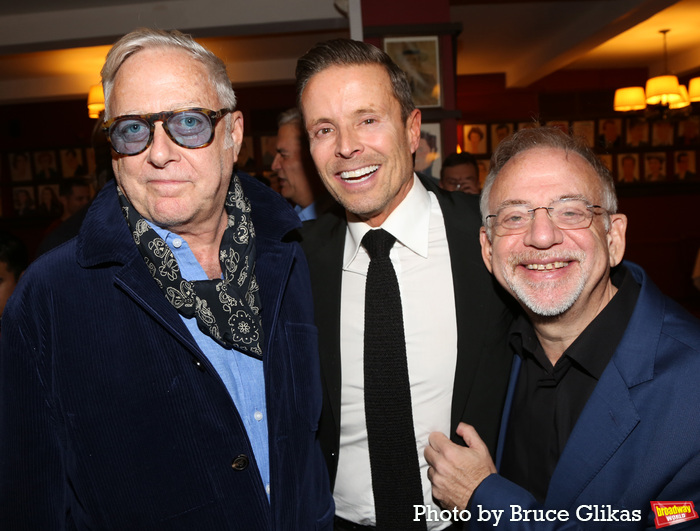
[(240, 463)]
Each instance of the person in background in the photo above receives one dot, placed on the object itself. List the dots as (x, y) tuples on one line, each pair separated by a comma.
[(683, 170), (50, 206), (298, 179), (602, 405), (439, 351), (75, 195), (159, 371), (13, 261), (460, 172)]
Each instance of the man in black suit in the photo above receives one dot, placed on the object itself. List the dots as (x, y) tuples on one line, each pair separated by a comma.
[(364, 130)]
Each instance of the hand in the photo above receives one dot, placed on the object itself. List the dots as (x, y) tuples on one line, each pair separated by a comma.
[(469, 187), (456, 471)]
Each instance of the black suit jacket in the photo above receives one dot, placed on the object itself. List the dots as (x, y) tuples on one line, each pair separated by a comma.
[(483, 316)]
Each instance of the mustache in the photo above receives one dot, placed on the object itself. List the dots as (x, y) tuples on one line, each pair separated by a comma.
[(538, 257)]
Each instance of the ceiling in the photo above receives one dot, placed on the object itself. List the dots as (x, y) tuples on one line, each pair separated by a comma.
[(52, 51)]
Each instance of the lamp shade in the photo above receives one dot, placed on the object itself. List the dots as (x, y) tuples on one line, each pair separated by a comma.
[(630, 99), (663, 90), (694, 89), (683, 102), (96, 101)]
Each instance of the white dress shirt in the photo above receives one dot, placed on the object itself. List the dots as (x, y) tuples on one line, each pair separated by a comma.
[(422, 262)]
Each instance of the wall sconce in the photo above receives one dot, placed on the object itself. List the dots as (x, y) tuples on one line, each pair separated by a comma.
[(95, 101)]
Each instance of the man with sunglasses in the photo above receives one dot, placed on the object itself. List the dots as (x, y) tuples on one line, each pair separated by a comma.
[(601, 416), (159, 371)]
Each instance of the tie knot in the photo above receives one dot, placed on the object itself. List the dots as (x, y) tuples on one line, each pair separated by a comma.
[(378, 243)]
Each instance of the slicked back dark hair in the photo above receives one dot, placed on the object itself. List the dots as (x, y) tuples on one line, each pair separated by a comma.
[(347, 52)]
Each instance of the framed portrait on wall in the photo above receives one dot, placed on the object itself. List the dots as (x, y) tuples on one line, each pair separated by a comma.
[(637, 133), (627, 168), (268, 150), (24, 201), (655, 167), (662, 133), (688, 132), (419, 57), (499, 132), (20, 166), (584, 129), (72, 164), (684, 168), (475, 138), (45, 166), (429, 153)]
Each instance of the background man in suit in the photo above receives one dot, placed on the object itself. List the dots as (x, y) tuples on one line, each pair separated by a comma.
[(298, 178), (364, 129), (602, 406), (460, 171), (160, 371)]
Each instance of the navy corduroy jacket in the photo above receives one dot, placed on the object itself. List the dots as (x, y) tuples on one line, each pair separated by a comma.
[(111, 417)]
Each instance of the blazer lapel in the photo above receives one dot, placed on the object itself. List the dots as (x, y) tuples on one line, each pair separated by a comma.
[(324, 244), (137, 283), (605, 422)]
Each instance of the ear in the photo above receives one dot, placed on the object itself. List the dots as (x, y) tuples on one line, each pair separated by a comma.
[(413, 124), (616, 238), (236, 133), (486, 250)]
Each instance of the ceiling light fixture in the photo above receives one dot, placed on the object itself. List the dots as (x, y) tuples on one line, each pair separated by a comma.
[(660, 90)]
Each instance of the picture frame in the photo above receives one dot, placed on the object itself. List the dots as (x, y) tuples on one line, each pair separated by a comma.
[(584, 129), (628, 168), (684, 165), (46, 166), (655, 166), (419, 58), (499, 132), (20, 166), (429, 153), (475, 138)]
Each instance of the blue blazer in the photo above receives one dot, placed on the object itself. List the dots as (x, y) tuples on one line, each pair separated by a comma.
[(638, 437), (112, 418)]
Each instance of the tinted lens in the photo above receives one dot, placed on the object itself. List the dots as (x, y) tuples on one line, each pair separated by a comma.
[(190, 129), (129, 135)]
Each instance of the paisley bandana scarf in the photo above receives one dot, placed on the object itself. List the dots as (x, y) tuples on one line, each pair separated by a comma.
[(227, 309)]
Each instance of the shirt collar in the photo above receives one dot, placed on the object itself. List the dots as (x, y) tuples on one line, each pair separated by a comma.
[(409, 223)]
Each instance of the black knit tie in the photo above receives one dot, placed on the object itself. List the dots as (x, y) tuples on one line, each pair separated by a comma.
[(393, 455)]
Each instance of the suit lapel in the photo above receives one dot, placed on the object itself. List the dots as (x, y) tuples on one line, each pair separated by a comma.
[(137, 283), (324, 243), (604, 424)]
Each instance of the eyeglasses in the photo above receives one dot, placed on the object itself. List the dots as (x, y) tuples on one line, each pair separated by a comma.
[(566, 214), (131, 134)]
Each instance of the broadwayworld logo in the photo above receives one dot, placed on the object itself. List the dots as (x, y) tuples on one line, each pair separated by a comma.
[(672, 512)]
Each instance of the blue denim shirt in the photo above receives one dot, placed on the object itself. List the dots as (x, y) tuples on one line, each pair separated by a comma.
[(242, 375)]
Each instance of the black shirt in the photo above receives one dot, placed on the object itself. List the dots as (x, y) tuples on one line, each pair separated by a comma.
[(548, 400)]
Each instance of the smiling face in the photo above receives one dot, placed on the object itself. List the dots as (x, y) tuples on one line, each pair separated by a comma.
[(361, 146), (175, 187), (551, 271)]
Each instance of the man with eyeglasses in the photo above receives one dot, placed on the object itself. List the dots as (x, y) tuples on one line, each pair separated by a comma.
[(601, 416), (159, 371)]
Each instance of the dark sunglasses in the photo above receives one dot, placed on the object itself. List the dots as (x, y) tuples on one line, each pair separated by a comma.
[(131, 134)]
